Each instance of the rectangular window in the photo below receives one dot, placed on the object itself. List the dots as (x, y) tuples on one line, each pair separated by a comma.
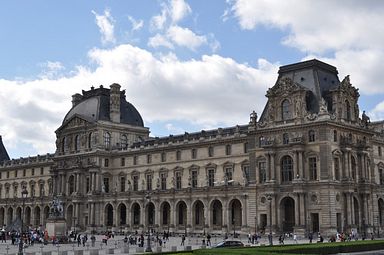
[(194, 153), (379, 150), (337, 168), (381, 176), (211, 177), (106, 162), (149, 181), (210, 151), (178, 180), (135, 183), (87, 185), (194, 178), (246, 147), (122, 163), (229, 175), (122, 184), (41, 189), (1, 175), (33, 171), (134, 160), (228, 149), (15, 192), (7, 174), (149, 159), (16, 173), (106, 185), (163, 177), (262, 172), (312, 162), (178, 155), (246, 171), (32, 190), (163, 157), (41, 170)]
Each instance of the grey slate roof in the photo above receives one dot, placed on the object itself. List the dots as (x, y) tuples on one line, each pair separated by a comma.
[(3, 152), (94, 104), (315, 75)]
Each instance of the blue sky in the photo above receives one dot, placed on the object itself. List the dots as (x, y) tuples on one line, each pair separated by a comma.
[(186, 65)]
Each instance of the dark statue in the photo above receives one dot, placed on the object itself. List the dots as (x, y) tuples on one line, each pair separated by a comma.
[(56, 209)]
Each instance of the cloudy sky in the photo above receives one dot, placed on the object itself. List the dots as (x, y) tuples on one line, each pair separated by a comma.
[(185, 65)]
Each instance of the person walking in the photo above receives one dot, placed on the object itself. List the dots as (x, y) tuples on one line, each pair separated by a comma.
[(295, 238), (182, 240)]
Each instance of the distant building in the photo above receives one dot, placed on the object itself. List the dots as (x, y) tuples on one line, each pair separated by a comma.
[(308, 164)]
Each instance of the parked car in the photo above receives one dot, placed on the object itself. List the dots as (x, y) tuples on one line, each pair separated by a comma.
[(229, 243)]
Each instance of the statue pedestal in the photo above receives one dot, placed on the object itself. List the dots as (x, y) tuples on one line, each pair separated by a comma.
[(56, 227)]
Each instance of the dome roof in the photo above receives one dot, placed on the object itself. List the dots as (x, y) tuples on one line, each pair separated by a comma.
[(94, 104)]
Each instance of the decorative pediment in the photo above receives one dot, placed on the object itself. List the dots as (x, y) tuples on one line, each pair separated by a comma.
[(74, 122), (284, 86), (347, 88)]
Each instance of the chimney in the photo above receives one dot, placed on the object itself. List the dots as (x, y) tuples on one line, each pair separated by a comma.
[(76, 99), (114, 102)]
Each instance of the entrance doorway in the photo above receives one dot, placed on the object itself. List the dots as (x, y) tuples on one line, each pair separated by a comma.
[(315, 222), (288, 214)]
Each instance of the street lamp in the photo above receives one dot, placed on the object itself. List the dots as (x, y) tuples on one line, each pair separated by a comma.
[(24, 194), (148, 249), (270, 220)]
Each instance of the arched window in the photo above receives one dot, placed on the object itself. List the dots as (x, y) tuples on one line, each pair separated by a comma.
[(311, 136), (285, 138), (124, 142), (107, 140), (285, 110), (77, 143), (286, 169), (347, 110)]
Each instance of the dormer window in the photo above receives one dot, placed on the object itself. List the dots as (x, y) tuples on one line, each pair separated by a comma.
[(285, 110)]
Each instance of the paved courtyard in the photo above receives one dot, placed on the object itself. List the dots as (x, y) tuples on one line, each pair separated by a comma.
[(116, 245)]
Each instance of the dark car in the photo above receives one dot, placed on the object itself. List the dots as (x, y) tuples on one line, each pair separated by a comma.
[(224, 244)]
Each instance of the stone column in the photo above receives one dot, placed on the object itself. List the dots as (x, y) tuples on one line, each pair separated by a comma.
[(296, 165), (172, 215), (273, 170), (302, 209), (301, 168), (297, 209), (268, 171), (245, 212), (348, 209), (78, 190), (157, 214), (63, 184)]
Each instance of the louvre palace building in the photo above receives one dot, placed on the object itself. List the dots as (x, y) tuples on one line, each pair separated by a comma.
[(311, 162)]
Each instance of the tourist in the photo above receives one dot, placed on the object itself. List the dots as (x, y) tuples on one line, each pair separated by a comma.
[(182, 240)]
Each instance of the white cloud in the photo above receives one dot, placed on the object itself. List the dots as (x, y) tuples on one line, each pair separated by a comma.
[(185, 37), (159, 40), (178, 10), (172, 34), (51, 69), (209, 92), (106, 26), (317, 26), (136, 25)]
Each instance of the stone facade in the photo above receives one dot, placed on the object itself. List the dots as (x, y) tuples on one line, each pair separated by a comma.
[(308, 164)]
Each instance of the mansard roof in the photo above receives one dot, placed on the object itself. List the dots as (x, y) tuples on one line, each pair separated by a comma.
[(95, 104), (3, 152), (314, 75)]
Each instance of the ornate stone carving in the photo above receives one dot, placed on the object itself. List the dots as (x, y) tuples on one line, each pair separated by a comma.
[(284, 86)]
